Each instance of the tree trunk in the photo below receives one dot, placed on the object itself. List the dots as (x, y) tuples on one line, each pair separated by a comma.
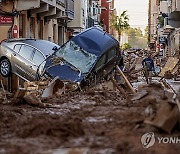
[(119, 37)]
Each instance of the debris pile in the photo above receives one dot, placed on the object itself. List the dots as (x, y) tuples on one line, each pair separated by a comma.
[(111, 114)]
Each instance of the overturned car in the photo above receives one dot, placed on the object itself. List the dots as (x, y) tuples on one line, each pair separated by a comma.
[(84, 60)]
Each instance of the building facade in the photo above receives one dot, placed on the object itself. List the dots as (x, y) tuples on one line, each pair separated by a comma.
[(164, 27), (152, 23), (41, 19), (53, 20)]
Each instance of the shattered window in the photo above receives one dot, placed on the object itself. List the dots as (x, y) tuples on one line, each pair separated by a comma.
[(76, 56)]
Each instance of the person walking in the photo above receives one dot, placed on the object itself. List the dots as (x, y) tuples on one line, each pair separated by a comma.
[(148, 65)]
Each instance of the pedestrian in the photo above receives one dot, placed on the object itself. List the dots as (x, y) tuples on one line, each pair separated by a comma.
[(148, 65)]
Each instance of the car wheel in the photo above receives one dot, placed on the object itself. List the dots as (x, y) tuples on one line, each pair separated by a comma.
[(5, 68)]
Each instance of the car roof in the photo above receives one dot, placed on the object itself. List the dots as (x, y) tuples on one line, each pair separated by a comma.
[(95, 41), (44, 46)]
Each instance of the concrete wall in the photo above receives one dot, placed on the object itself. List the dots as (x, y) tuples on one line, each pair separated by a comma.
[(79, 20), (175, 5), (105, 15), (164, 6), (154, 16)]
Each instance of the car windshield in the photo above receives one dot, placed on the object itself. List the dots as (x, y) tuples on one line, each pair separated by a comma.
[(76, 56)]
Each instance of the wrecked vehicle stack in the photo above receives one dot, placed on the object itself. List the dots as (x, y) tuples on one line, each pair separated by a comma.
[(85, 59)]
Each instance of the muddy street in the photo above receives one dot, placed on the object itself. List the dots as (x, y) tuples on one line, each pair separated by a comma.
[(98, 120)]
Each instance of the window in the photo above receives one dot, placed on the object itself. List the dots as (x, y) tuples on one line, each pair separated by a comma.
[(111, 54), (26, 52), (17, 48), (101, 62), (38, 58)]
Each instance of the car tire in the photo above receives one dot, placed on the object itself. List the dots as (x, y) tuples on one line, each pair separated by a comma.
[(5, 68)]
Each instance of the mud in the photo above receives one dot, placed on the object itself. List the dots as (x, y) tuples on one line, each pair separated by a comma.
[(97, 121)]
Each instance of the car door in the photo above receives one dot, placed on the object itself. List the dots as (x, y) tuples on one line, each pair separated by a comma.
[(37, 58), (97, 70), (22, 59)]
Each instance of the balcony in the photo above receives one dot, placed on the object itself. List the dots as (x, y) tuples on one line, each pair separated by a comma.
[(69, 12), (60, 4)]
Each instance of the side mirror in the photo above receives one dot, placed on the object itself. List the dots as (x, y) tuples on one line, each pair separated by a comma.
[(55, 48)]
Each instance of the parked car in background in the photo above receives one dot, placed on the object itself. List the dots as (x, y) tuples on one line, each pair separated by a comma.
[(23, 56), (84, 60)]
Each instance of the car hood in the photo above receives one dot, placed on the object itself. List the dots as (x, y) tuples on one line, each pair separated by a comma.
[(64, 71)]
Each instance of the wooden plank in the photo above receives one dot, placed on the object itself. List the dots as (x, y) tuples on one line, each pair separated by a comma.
[(14, 82), (120, 89), (126, 80)]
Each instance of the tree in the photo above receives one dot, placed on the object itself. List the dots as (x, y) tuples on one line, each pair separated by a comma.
[(136, 38), (125, 46), (120, 23)]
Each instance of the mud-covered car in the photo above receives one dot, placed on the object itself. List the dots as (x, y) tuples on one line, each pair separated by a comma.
[(23, 56), (84, 60)]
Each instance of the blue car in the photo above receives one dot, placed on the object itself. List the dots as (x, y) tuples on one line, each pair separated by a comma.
[(84, 60)]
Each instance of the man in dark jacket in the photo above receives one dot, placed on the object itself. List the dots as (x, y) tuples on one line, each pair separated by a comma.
[(148, 65), (148, 62)]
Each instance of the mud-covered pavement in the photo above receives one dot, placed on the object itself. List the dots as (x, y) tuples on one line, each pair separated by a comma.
[(96, 121)]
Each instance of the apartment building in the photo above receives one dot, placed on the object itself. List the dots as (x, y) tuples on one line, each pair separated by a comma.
[(93, 13), (167, 24), (78, 24), (43, 19), (107, 9), (152, 23)]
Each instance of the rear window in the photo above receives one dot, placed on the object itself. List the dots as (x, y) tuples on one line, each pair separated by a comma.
[(26, 52)]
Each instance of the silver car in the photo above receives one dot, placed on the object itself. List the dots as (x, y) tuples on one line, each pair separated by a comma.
[(23, 57)]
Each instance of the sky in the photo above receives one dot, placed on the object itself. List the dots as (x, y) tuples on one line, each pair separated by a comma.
[(137, 11)]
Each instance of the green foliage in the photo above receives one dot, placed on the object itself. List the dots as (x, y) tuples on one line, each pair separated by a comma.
[(161, 21), (136, 38), (120, 23), (146, 32), (125, 46)]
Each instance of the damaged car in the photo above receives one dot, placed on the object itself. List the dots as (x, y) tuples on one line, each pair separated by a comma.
[(23, 56), (84, 60)]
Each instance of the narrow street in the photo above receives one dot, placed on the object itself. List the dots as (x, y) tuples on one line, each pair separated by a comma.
[(89, 77)]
